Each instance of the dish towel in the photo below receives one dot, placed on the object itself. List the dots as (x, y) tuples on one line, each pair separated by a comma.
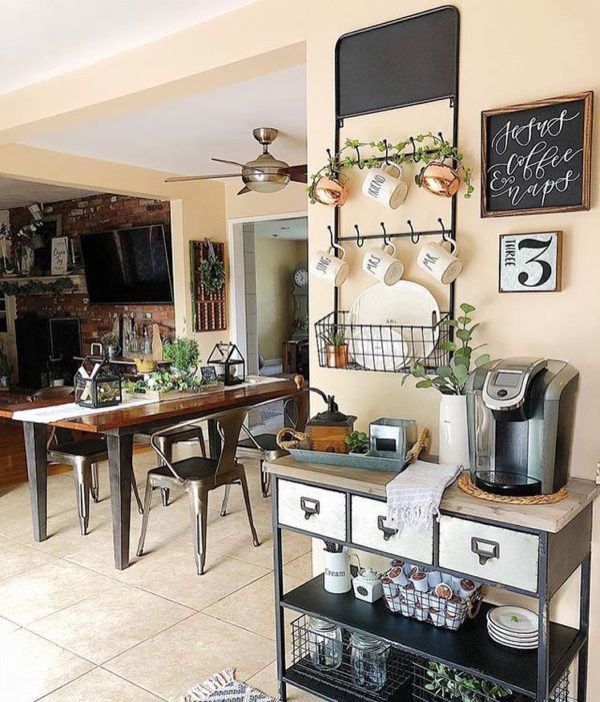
[(414, 496)]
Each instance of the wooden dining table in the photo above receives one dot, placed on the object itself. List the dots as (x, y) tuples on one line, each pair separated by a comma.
[(119, 427)]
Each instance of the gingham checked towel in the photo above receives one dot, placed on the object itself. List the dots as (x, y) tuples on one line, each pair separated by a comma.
[(414, 496)]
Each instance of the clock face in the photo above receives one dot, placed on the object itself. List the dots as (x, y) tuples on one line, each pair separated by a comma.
[(301, 277)]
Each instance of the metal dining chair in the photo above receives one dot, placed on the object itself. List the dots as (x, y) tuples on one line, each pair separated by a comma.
[(264, 446), (83, 456), (167, 440), (198, 476)]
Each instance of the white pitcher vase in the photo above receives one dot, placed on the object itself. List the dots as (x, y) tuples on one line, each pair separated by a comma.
[(337, 572), (453, 431)]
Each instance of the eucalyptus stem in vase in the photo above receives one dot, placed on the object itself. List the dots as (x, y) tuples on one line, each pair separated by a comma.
[(450, 380)]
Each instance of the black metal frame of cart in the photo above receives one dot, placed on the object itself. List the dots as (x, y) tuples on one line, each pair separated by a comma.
[(378, 69), (535, 674)]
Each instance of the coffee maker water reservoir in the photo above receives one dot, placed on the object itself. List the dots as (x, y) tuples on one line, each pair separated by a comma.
[(520, 414)]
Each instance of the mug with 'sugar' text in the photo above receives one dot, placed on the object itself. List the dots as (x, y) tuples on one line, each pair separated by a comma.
[(330, 268), (385, 186)]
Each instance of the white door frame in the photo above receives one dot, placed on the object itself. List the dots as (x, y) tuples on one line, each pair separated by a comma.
[(237, 273)]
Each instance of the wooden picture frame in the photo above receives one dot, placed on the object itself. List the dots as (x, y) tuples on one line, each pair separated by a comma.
[(518, 149), (530, 262)]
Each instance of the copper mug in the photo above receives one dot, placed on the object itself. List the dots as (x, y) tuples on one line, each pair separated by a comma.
[(331, 191), (440, 179)]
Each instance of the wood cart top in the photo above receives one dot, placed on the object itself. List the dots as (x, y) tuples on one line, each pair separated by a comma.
[(155, 412), (551, 518)]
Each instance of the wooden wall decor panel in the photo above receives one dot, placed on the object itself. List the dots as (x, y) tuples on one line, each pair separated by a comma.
[(208, 309)]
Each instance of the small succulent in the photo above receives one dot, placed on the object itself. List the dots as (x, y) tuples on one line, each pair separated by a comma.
[(334, 336), (357, 441)]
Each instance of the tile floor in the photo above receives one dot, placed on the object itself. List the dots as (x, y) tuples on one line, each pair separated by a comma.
[(73, 629)]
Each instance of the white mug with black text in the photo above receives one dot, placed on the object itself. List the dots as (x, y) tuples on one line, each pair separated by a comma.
[(328, 267), (439, 261), (382, 265), (385, 186)]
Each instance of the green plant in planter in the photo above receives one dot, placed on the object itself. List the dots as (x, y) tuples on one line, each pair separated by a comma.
[(450, 684), (110, 339), (333, 336), (213, 275), (451, 379), (357, 441), (183, 353)]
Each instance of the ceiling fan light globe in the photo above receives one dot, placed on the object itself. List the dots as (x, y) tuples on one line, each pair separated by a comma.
[(267, 185)]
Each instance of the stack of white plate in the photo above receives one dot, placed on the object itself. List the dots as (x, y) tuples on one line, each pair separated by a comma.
[(514, 627)]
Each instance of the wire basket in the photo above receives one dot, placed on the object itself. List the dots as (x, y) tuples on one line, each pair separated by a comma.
[(435, 682), (398, 665), (388, 348), (429, 607)]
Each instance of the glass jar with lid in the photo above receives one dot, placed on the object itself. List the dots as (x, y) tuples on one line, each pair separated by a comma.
[(324, 644), (368, 661)]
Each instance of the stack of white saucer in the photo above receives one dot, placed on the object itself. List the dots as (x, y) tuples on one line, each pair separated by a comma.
[(514, 627)]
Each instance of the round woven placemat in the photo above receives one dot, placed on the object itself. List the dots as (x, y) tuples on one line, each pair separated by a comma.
[(466, 485)]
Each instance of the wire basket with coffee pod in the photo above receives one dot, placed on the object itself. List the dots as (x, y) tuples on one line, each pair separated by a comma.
[(433, 597)]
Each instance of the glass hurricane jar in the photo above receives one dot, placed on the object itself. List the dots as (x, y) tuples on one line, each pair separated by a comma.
[(368, 661), (324, 644)]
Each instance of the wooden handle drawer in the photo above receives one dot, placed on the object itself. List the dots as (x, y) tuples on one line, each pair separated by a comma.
[(369, 528), (489, 552), (321, 512)]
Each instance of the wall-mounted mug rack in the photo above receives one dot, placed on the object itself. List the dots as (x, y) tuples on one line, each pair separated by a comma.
[(386, 237)]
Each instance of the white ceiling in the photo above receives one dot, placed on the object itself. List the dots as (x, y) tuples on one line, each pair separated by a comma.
[(44, 38), (295, 228), (182, 135), (20, 193)]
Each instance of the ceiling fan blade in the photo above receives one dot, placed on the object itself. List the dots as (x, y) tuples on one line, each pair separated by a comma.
[(231, 163), (298, 174), (177, 179), (244, 190)]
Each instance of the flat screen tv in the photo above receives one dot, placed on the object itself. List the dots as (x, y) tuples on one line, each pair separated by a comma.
[(128, 265)]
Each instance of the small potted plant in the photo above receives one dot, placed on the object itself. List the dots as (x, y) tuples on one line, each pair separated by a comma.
[(110, 343), (336, 347), (451, 380), (184, 355), (5, 369), (357, 442)]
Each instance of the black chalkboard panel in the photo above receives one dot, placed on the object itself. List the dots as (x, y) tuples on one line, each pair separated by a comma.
[(536, 157), (400, 63)]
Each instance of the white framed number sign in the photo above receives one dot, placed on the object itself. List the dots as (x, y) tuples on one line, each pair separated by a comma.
[(530, 262)]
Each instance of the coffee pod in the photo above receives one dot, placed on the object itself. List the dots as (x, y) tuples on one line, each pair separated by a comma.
[(421, 611), (434, 577), (466, 588), (438, 616), (407, 606), (419, 580), (398, 576), (444, 591), (452, 612)]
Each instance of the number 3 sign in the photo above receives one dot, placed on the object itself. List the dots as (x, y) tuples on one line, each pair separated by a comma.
[(530, 262)]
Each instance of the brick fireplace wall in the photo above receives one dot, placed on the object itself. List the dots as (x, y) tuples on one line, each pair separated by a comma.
[(95, 214)]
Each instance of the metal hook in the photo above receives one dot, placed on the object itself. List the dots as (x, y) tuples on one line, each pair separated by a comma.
[(359, 162), (386, 241), (414, 236), (444, 236), (414, 153), (331, 241), (387, 160), (360, 240)]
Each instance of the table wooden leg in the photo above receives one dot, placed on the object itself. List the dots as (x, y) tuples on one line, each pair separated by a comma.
[(37, 473), (214, 440), (120, 454)]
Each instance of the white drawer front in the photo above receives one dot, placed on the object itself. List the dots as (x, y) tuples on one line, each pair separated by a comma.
[(326, 509), (410, 544), (514, 555)]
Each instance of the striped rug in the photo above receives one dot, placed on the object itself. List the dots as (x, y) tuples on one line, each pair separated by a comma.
[(223, 687)]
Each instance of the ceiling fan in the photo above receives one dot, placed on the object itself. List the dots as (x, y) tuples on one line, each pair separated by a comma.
[(264, 174)]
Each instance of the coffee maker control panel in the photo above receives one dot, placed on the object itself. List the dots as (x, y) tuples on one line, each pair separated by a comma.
[(506, 384)]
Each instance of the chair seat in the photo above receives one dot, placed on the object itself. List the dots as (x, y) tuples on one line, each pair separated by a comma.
[(175, 435), (194, 468), (267, 442), (85, 447)]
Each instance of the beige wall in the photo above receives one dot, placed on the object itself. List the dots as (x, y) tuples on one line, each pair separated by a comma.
[(292, 199), (511, 52), (275, 262)]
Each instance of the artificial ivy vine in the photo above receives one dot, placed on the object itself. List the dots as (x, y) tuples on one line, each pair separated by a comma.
[(35, 287)]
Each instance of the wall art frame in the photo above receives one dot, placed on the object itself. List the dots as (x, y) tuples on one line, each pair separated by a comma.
[(530, 262)]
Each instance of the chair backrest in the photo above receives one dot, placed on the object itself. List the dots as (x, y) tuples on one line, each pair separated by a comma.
[(229, 425), (295, 411)]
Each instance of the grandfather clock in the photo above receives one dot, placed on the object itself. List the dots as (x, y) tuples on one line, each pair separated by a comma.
[(300, 297)]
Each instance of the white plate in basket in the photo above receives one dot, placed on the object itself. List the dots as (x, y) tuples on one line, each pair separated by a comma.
[(403, 304), (514, 620)]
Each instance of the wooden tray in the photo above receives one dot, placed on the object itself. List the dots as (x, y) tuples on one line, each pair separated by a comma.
[(158, 396)]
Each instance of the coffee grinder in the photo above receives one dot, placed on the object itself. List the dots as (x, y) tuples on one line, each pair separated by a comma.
[(520, 415)]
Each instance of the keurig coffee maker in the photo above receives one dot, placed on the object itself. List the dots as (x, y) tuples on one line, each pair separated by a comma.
[(520, 414)]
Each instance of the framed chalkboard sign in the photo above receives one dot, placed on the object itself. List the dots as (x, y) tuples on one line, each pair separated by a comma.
[(536, 157)]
